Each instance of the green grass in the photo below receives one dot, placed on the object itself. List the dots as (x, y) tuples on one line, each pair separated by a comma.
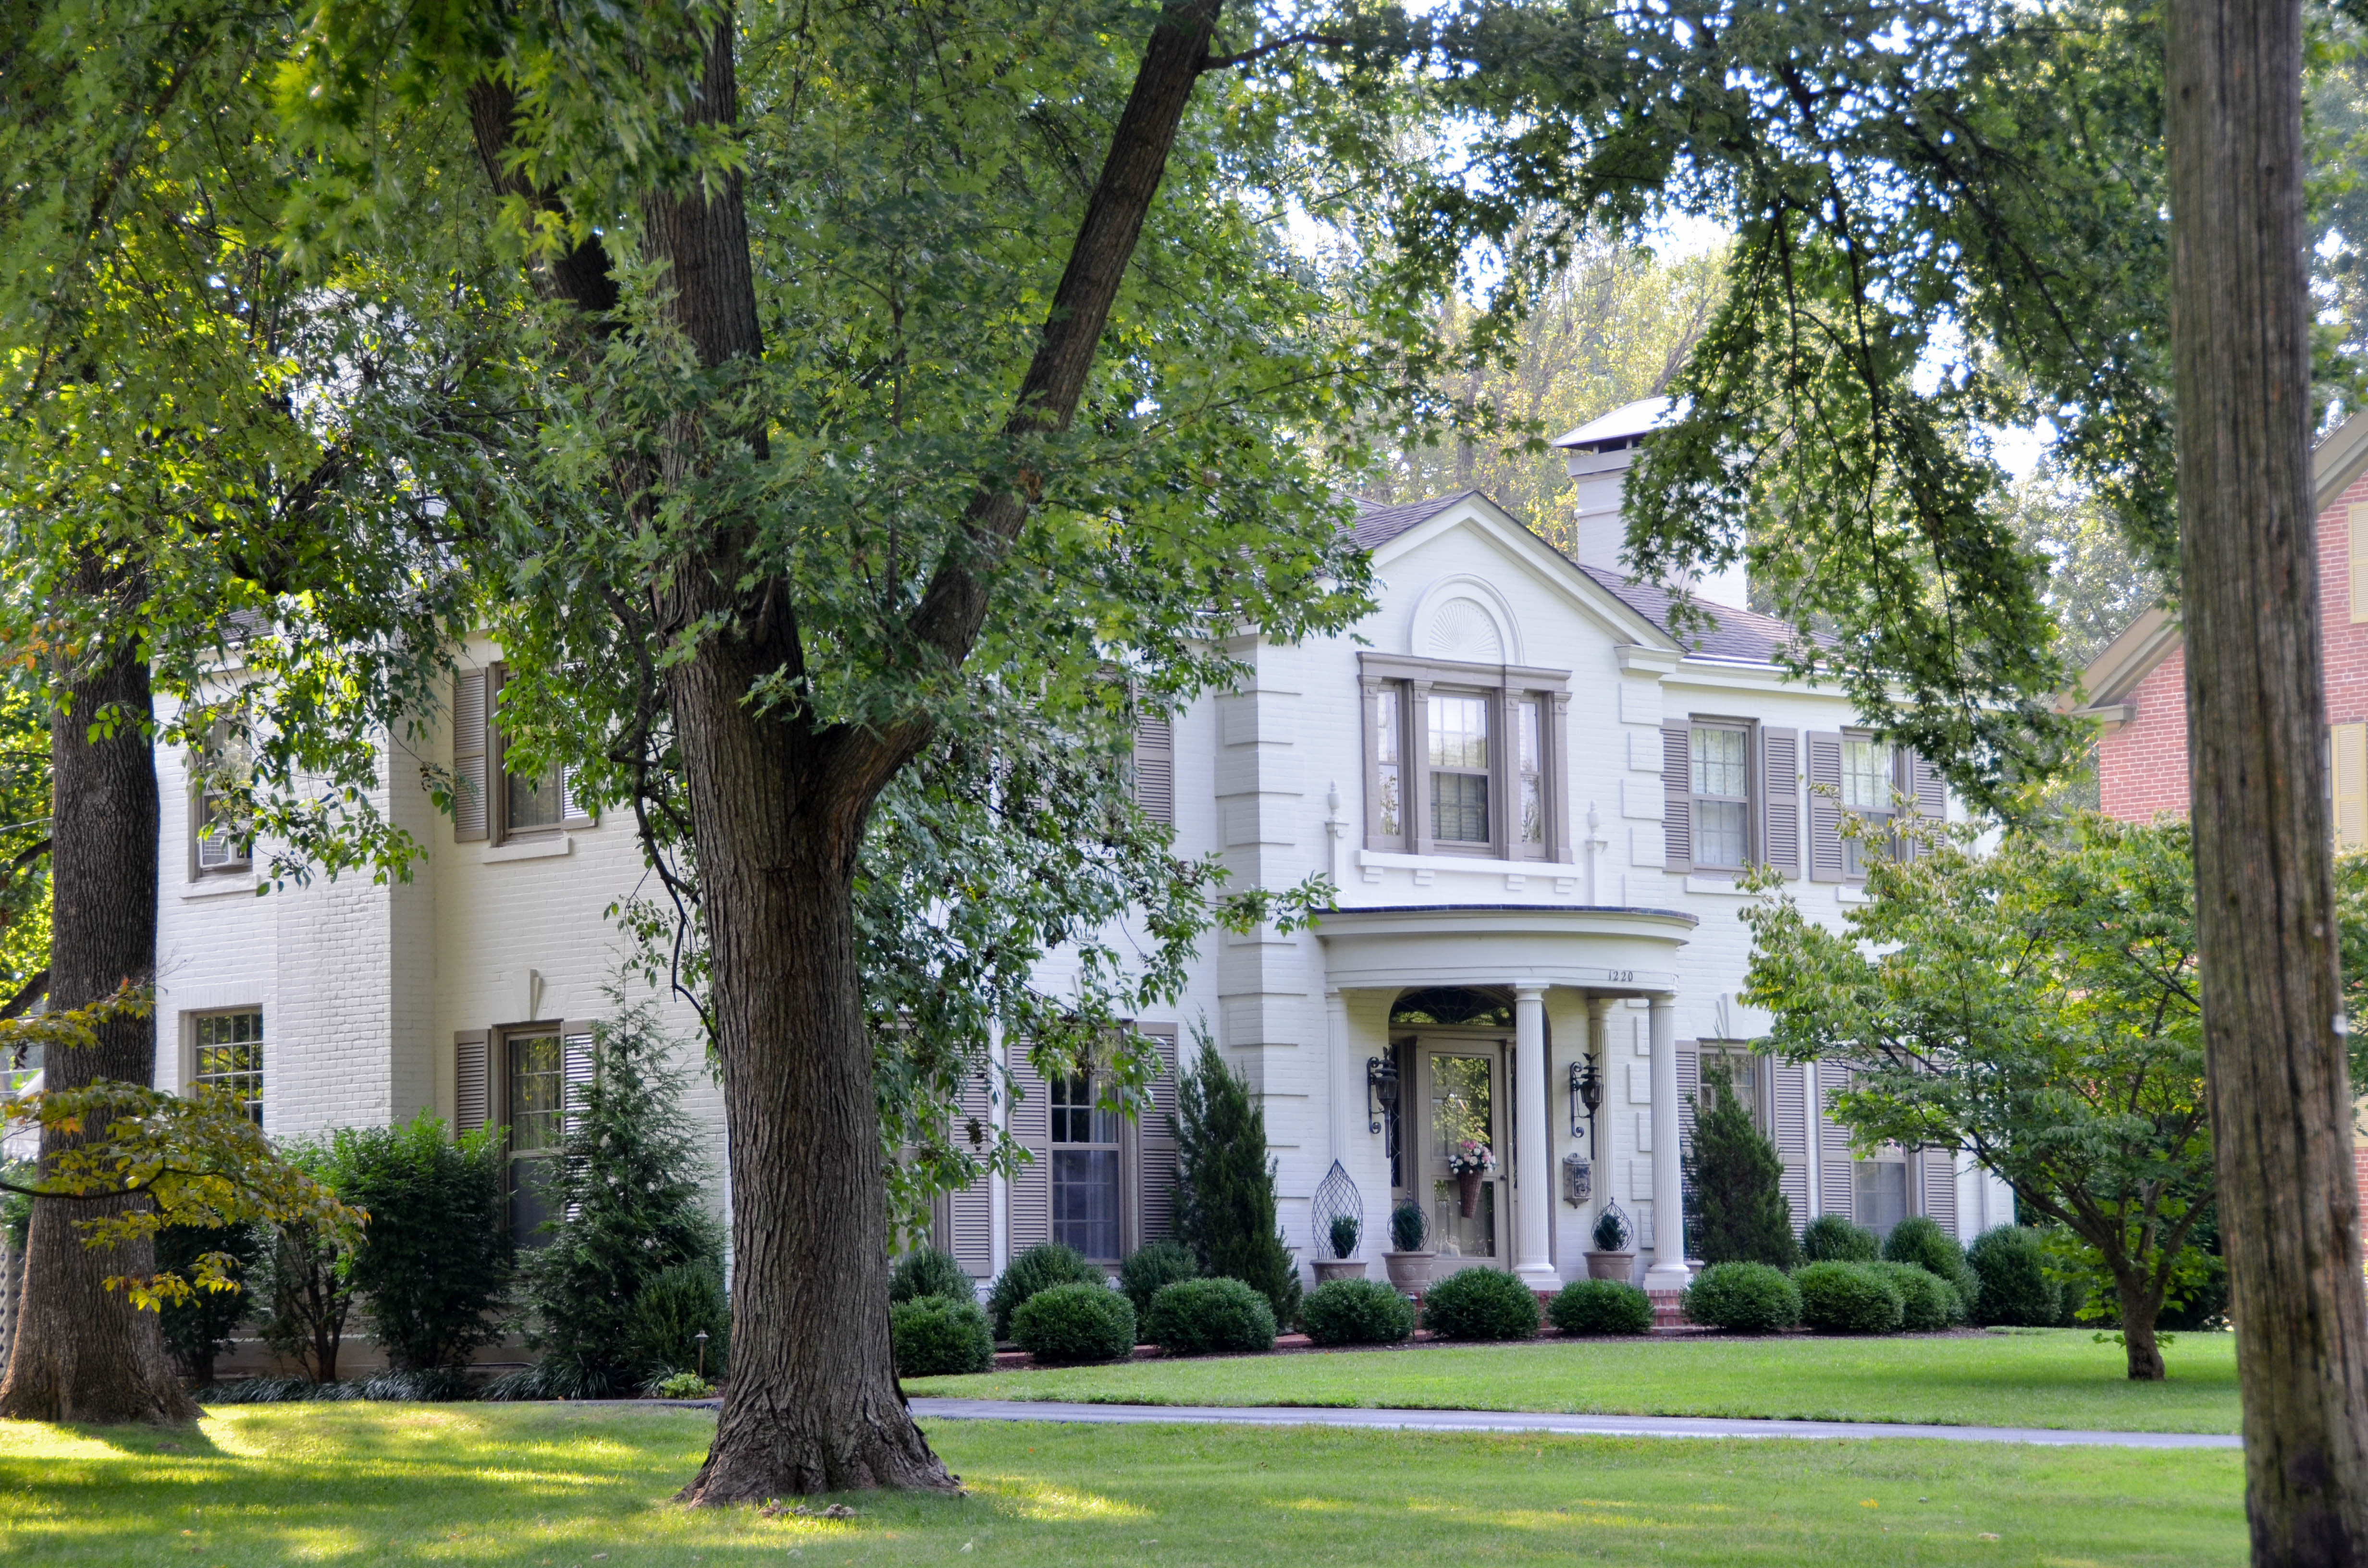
[(551, 1487), (2019, 1378)]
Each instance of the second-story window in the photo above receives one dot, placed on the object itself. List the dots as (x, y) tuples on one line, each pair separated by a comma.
[(1720, 761), (1870, 771), (1530, 774), (1389, 762), (1464, 759), (1458, 768)]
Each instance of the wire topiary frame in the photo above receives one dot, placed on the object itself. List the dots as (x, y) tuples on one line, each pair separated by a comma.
[(1339, 1214)]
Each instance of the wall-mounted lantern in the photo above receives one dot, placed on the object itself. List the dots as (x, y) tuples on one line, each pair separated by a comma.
[(1381, 1092), (1586, 1096)]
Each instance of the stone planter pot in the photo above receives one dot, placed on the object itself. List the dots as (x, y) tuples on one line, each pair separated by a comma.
[(1620, 1266), (1408, 1270), (1327, 1269)]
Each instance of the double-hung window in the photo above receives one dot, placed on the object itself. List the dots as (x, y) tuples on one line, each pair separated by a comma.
[(1087, 1149), (1719, 767), (535, 1104), (219, 841), (1464, 759), (1870, 777), (227, 1057), (1458, 777)]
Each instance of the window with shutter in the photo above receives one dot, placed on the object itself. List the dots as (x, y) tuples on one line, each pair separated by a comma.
[(470, 729), (1719, 780), (469, 1107), (2348, 776), (1826, 862), (1154, 767), (534, 1108), (1780, 808), (1676, 797), (525, 803)]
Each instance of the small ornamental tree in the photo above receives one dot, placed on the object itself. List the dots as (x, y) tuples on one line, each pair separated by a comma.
[(1226, 1193), (1736, 1177)]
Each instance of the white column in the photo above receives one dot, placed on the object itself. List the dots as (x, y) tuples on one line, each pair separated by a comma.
[(1534, 1206), (1669, 1270), (1342, 1079)]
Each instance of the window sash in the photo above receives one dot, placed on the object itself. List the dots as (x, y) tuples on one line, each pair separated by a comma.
[(1719, 760), (228, 1057)]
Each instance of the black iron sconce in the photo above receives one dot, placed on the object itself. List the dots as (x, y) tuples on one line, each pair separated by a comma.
[(1586, 1091), (1381, 1092)]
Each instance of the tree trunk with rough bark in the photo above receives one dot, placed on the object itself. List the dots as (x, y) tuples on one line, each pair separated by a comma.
[(2280, 1099), (81, 1352)]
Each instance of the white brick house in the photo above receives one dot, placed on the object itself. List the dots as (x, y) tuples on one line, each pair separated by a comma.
[(1532, 800)]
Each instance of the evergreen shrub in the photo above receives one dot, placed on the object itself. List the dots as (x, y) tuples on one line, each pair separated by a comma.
[(1480, 1303), (1357, 1311), (1927, 1302), (1201, 1317), (1848, 1298), (1919, 1240), (1611, 1231), (1832, 1238), (927, 1271), (1151, 1269), (1408, 1226), (1225, 1186), (1038, 1269), (1601, 1306), (2016, 1292), (671, 1311), (433, 1272), (936, 1335), (1736, 1210), (1065, 1325), (199, 1329), (1742, 1297)]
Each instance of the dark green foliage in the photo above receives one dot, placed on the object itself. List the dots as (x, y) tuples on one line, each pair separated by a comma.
[(433, 1271), (1735, 1182), (2205, 1301), (199, 1329), (936, 1335), (1062, 1324), (1601, 1306), (1039, 1268), (1408, 1226), (927, 1271), (1161, 1264), (309, 1291), (1927, 1302), (674, 1307), (1919, 1240), (1480, 1303), (1832, 1238), (1848, 1298), (626, 1195), (1199, 1317), (1343, 1234), (2015, 1289), (1742, 1297), (1611, 1231), (1356, 1311), (1225, 1194)]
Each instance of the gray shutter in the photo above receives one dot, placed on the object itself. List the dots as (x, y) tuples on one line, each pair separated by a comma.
[(1154, 767), (469, 1080), (1780, 800), (1833, 1143), (1825, 805), (576, 1067), (1689, 1088), (469, 782), (1031, 1129), (1941, 1188), (1678, 796), (1156, 1140), (1930, 791), (972, 1208), (1789, 1100)]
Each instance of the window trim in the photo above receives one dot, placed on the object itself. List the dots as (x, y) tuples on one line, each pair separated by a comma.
[(190, 1021), (498, 830), (1899, 777), (192, 775), (1753, 800), (1123, 1149), (1504, 687)]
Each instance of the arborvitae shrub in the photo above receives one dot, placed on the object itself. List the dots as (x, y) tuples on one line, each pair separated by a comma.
[(1201, 1317), (1848, 1298), (198, 1330), (1927, 1302), (672, 1309), (1742, 1297), (927, 1271), (1154, 1268), (1480, 1303), (1735, 1184), (1039, 1268), (1225, 1186), (433, 1272), (2016, 1292), (937, 1336), (1408, 1226), (1919, 1240), (1064, 1324), (1601, 1306), (1832, 1238), (1357, 1311)]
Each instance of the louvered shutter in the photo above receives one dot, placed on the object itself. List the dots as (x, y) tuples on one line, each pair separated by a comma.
[(1156, 1140), (470, 1080), (1780, 800), (1031, 1129), (1678, 796), (1789, 1095), (572, 811), (972, 1208), (577, 1068), (1825, 805), (1154, 767), (1930, 792), (1941, 1188), (1688, 1092), (1833, 1142), (2349, 777), (469, 782)]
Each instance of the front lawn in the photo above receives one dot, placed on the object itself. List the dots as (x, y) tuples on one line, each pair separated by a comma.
[(552, 1487), (2012, 1378)]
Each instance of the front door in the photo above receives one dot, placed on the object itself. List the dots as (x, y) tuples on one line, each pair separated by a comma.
[(1463, 1151)]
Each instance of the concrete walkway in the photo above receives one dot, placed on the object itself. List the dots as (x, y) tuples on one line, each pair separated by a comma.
[(1531, 1421)]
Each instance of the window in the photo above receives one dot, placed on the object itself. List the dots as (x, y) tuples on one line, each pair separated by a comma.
[(1880, 1195), (217, 840), (1720, 766), (1085, 1162), (229, 1057), (1745, 1074), (1384, 703), (1458, 768), (535, 1088), (1460, 759), (530, 801), (1870, 775), (1530, 774)]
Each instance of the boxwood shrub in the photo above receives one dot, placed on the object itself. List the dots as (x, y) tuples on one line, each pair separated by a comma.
[(1480, 1303), (1601, 1306), (935, 1335), (1153, 1268), (930, 1272), (1199, 1317), (1921, 1240), (1742, 1297), (1848, 1298), (1832, 1238), (2016, 1292), (1357, 1311), (1927, 1303), (1038, 1268), (1068, 1323)]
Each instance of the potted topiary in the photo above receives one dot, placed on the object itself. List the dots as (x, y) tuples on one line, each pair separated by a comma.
[(1341, 1235), (1409, 1265), (1610, 1260)]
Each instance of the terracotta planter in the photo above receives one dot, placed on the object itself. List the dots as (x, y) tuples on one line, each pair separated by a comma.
[(1620, 1266), (1408, 1270), (1327, 1269), (1467, 1192)]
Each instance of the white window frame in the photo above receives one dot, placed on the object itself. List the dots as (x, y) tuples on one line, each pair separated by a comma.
[(194, 1074)]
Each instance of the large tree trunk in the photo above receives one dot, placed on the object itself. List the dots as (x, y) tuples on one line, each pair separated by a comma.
[(2279, 1100), (82, 1353)]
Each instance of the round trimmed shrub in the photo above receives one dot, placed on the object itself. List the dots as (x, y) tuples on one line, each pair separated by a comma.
[(1357, 1311), (1848, 1298), (1480, 1303), (2016, 1292), (1153, 1268), (1601, 1306), (1199, 1317), (1742, 1297), (1038, 1268), (936, 1335), (1927, 1304), (1068, 1323), (1830, 1238), (1921, 1240), (930, 1272)]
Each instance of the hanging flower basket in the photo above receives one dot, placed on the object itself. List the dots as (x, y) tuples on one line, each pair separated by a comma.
[(1471, 1160), (1467, 1192)]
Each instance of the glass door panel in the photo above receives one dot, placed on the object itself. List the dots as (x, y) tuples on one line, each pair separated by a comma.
[(1463, 1124)]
